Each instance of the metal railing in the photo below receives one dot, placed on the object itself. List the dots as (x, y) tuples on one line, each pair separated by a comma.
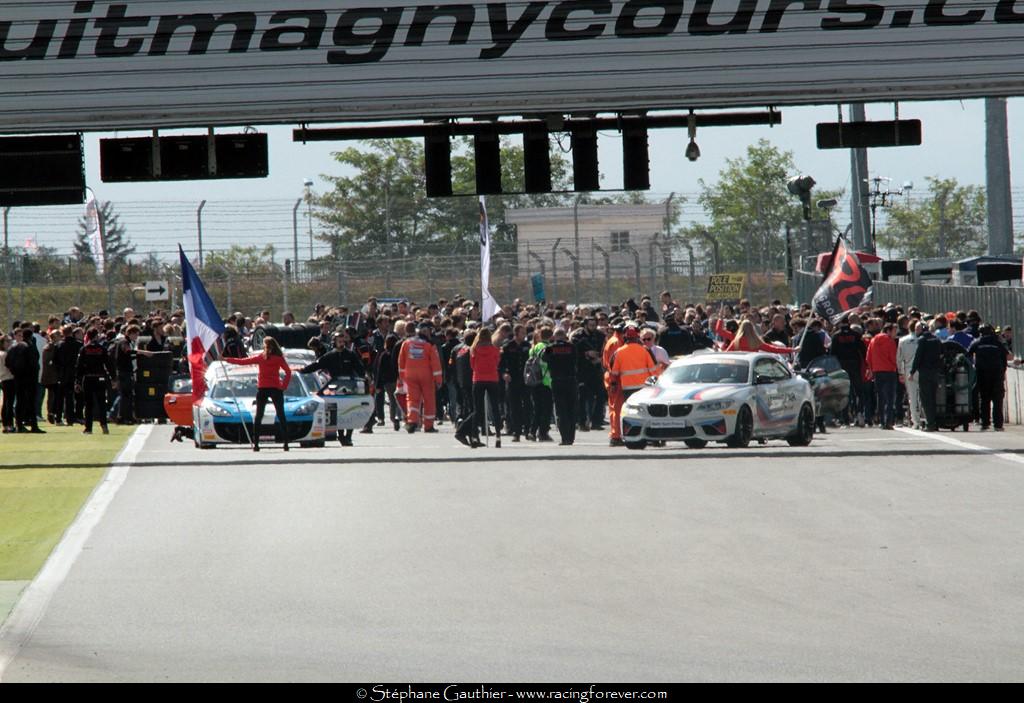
[(998, 305)]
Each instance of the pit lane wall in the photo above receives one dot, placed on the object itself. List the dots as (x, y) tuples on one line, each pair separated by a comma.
[(97, 66), (1002, 306)]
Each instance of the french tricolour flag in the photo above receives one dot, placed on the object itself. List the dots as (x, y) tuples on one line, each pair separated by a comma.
[(202, 323)]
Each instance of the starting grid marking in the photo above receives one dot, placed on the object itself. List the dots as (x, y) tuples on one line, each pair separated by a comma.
[(995, 453)]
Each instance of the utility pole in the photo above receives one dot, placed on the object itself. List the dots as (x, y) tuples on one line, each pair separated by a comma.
[(879, 198), (199, 230), (997, 178), (309, 217), (859, 191), (295, 230), (943, 243)]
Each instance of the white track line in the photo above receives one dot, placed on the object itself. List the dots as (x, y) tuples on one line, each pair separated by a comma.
[(1006, 456), (30, 609)]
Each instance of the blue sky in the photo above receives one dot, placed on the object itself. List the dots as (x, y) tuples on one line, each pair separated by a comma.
[(159, 215)]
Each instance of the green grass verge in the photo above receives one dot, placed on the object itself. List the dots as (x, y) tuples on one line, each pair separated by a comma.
[(44, 480)]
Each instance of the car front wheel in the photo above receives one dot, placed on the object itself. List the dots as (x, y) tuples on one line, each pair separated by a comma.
[(744, 429), (804, 428)]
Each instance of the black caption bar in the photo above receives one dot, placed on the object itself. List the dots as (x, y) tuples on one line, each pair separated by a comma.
[(510, 693)]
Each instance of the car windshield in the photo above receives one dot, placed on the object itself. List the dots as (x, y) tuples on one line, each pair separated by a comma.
[(245, 387), (718, 371)]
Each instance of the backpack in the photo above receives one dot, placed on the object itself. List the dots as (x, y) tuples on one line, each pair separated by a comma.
[(533, 371)]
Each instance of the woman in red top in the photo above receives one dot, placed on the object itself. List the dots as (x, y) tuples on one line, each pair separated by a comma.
[(484, 358), (269, 385), (748, 340)]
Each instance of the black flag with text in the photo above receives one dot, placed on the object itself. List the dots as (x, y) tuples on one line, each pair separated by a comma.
[(846, 287)]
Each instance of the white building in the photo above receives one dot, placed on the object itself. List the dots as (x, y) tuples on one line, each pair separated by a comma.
[(622, 231)]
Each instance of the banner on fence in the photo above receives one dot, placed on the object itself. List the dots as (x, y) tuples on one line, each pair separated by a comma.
[(538, 287)]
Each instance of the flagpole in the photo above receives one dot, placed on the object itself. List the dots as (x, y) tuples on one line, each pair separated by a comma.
[(220, 351)]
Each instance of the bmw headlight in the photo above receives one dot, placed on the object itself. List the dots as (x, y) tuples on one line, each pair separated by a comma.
[(715, 406), (307, 408), (216, 410), (634, 410)]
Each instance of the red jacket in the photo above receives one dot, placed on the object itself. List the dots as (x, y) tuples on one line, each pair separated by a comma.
[(270, 368), (882, 354), (484, 360)]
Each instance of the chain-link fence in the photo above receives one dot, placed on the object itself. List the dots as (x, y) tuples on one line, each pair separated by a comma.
[(34, 293)]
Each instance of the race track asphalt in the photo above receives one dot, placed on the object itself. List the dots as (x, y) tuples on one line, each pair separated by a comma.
[(868, 556)]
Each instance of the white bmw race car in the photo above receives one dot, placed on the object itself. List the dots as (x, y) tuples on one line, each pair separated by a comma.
[(730, 397)]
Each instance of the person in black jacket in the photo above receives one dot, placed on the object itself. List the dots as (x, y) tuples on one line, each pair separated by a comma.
[(385, 378), (449, 389), (341, 362), (65, 358), (93, 372), (589, 344), (810, 343), (990, 355), (675, 339), (560, 356), (849, 348), (23, 361), (517, 395), (464, 377), (929, 368)]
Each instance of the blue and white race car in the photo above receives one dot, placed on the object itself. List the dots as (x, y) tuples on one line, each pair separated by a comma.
[(226, 414), (730, 397)]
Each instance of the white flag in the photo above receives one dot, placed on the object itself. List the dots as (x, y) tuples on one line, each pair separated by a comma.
[(488, 303), (94, 233)]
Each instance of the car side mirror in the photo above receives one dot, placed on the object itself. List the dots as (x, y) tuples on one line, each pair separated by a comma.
[(652, 381), (762, 380)]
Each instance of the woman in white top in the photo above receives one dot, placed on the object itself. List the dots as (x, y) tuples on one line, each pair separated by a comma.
[(7, 386), (661, 357)]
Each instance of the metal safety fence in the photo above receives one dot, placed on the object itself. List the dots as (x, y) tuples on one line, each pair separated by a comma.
[(1001, 306)]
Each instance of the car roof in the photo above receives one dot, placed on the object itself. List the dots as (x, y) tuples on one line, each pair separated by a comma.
[(720, 356)]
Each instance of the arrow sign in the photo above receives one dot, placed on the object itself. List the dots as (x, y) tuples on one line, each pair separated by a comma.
[(156, 290)]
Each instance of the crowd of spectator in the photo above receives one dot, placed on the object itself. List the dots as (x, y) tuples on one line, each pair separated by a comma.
[(532, 367)]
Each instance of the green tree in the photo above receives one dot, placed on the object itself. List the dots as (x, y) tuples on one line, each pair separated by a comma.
[(242, 259), (749, 208), (116, 245), (456, 219), (382, 208), (42, 264), (950, 222)]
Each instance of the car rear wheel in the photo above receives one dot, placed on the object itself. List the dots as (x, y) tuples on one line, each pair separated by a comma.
[(642, 444), (695, 443), (744, 429), (804, 428)]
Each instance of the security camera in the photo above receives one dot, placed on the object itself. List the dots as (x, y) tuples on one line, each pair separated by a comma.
[(827, 204), (692, 151), (908, 186), (308, 183)]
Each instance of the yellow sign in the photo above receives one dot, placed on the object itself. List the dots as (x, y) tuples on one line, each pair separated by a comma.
[(726, 286)]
